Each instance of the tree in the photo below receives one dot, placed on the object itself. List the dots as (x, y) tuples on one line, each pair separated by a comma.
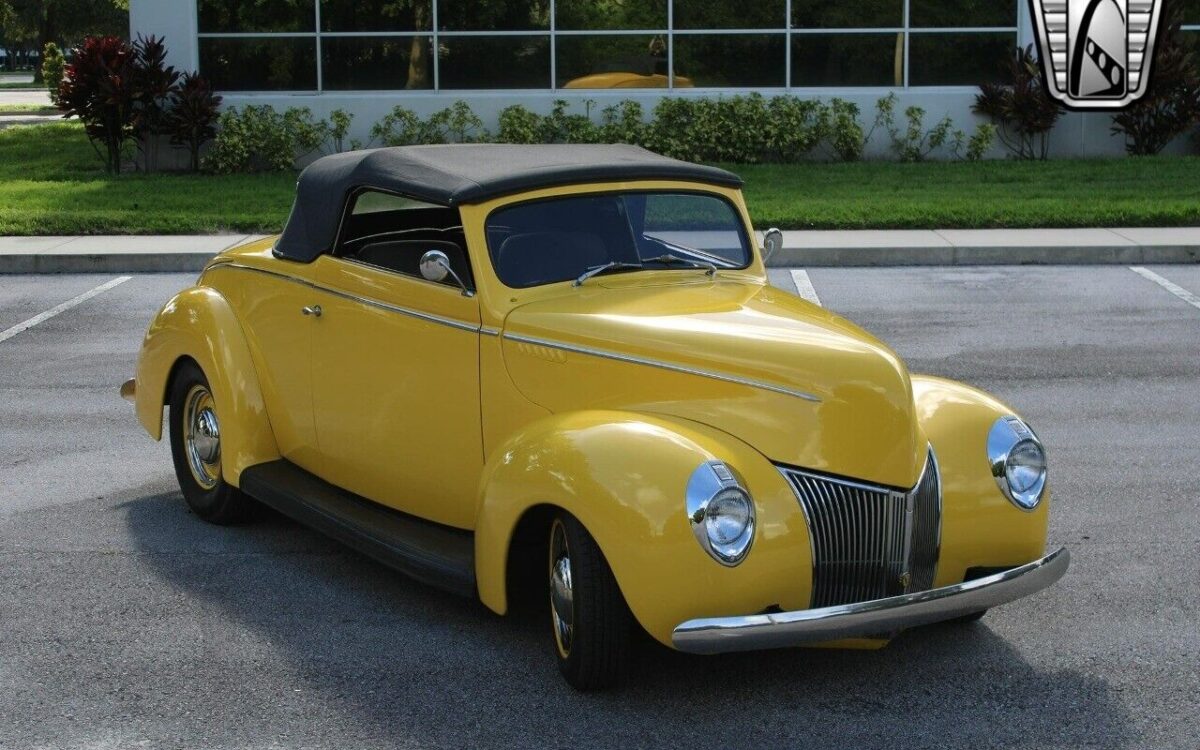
[(36, 23)]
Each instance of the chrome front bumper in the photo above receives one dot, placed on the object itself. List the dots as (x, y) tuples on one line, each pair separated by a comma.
[(714, 635)]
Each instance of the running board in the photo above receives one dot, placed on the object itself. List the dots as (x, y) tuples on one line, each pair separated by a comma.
[(438, 555)]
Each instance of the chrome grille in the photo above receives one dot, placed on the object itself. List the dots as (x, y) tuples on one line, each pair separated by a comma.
[(870, 542)]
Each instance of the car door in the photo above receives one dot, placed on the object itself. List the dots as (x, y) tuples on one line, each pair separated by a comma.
[(396, 387)]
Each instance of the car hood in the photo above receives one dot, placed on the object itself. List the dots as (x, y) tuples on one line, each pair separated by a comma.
[(801, 385)]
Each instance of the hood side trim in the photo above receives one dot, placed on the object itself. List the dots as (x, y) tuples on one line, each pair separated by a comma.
[(662, 365)]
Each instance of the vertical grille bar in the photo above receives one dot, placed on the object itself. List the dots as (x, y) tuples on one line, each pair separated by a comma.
[(863, 541), (927, 523)]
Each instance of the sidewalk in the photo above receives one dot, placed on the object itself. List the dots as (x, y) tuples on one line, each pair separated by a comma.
[(945, 247)]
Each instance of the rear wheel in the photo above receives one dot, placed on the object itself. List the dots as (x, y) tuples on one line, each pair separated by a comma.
[(589, 618), (196, 450)]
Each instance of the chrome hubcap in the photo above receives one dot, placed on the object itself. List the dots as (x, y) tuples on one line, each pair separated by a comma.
[(202, 437), (562, 609)]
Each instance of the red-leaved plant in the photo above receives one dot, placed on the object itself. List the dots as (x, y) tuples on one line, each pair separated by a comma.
[(98, 88), (154, 87), (193, 115)]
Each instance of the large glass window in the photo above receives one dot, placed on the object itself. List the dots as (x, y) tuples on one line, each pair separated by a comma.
[(348, 45), (848, 59), (385, 63), (962, 13), (1191, 13), (376, 15), (494, 62), (493, 15), (958, 59), (731, 60), (590, 15), (706, 14), (237, 16), (260, 64), (544, 242), (839, 14), (611, 62)]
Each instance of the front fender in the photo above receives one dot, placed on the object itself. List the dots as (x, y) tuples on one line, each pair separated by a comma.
[(623, 475), (980, 527), (199, 323)]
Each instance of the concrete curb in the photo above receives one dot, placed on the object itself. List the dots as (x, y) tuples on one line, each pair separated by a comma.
[(804, 249), (137, 254), (817, 257)]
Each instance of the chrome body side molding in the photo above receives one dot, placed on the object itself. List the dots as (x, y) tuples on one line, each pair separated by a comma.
[(619, 357), (450, 322)]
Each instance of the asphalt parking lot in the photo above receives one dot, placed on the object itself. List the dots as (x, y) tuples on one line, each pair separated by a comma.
[(126, 622)]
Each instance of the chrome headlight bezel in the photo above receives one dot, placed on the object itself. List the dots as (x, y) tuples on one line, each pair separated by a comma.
[(710, 482), (1009, 433)]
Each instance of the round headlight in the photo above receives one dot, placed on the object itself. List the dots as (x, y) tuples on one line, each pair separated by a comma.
[(728, 516), (1018, 462), (721, 513)]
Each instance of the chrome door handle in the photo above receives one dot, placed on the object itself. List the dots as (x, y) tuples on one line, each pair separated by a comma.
[(313, 310)]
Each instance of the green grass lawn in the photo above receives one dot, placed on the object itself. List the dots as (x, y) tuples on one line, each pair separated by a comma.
[(27, 109), (1155, 191), (51, 182)]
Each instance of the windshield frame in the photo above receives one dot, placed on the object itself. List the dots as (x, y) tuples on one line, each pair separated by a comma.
[(723, 264)]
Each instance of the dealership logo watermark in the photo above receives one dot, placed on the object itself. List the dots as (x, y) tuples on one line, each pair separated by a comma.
[(1096, 54)]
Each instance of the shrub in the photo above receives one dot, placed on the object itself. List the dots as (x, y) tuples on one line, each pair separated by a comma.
[(914, 142), (53, 67), (519, 125), (97, 88), (561, 127), (733, 129), (623, 122), (794, 126), (193, 112), (457, 123), (402, 127), (981, 141), (844, 133), (1172, 101), (260, 139), (1021, 109), (671, 128), (338, 128)]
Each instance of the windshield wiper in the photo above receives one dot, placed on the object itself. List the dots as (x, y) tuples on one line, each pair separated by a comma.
[(615, 265), (668, 259)]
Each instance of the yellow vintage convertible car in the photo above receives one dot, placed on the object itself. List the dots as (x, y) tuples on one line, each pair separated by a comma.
[(561, 370)]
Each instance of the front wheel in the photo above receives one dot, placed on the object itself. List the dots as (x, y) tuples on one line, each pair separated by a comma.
[(590, 621), (196, 450)]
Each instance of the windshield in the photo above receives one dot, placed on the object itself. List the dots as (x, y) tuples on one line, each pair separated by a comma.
[(559, 239)]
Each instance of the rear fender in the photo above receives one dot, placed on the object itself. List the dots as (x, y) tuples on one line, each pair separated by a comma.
[(199, 324)]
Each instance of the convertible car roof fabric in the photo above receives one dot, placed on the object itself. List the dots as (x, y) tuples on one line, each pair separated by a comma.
[(463, 173)]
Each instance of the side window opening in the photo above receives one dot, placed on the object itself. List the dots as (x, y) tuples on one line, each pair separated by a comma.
[(392, 232)]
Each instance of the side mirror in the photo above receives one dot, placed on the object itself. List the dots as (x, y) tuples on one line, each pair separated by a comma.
[(435, 266), (772, 241)]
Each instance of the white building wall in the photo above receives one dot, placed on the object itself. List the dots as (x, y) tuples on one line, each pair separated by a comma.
[(1077, 135)]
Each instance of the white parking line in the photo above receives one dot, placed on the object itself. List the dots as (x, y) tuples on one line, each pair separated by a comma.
[(804, 286), (42, 317), (1167, 284)]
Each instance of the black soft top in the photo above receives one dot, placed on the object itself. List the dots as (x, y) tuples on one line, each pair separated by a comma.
[(463, 173)]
